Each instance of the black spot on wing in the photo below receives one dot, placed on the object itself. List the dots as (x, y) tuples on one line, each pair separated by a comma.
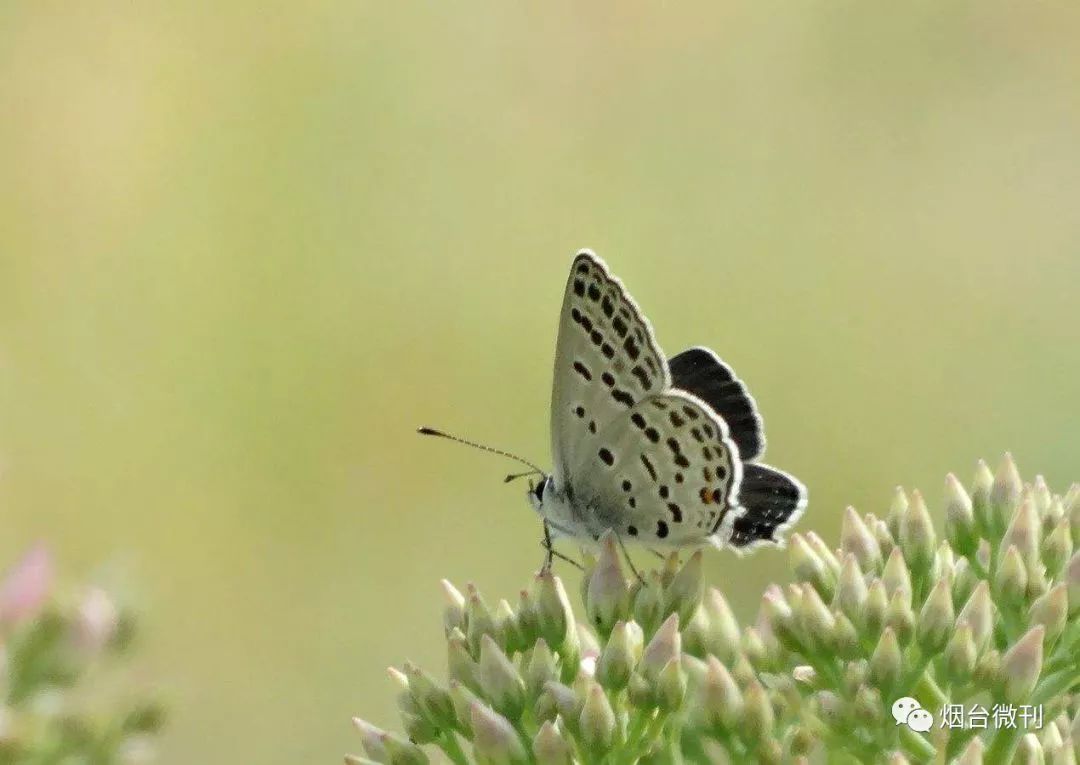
[(581, 319)]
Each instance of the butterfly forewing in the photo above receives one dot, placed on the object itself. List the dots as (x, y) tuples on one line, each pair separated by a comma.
[(606, 360), (663, 472)]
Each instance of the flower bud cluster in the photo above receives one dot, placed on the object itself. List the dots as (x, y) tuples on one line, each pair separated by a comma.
[(48, 649), (660, 669)]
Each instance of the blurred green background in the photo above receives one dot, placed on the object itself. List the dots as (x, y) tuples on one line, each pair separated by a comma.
[(245, 248)]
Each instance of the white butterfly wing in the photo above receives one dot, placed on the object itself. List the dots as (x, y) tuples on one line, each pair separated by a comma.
[(606, 360), (663, 472)]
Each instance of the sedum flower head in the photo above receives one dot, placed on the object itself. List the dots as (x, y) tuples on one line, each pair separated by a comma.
[(57, 652), (984, 611)]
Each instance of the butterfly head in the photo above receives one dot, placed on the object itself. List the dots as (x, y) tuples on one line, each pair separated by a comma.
[(555, 507), (536, 493)]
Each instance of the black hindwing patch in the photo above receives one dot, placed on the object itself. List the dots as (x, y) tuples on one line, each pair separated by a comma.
[(700, 372)]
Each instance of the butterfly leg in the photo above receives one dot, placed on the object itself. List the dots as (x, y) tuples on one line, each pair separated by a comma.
[(552, 552), (629, 562), (549, 550), (568, 559)]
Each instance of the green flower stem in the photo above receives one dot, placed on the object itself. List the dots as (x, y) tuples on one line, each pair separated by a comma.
[(693, 748), (927, 687), (857, 750), (916, 746), (636, 736), (674, 748), (918, 672), (526, 739), (1059, 663), (653, 728), (826, 667), (958, 739), (449, 744), (1003, 744), (1055, 685), (1065, 650), (977, 567), (732, 745), (1069, 642)]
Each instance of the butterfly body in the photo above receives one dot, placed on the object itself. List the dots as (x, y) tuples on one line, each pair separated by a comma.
[(661, 452)]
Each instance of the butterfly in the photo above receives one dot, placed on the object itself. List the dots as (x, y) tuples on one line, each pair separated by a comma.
[(664, 452), (660, 451)]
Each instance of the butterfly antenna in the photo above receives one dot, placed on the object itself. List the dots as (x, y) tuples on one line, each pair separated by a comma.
[(492, 449), (515, 476)]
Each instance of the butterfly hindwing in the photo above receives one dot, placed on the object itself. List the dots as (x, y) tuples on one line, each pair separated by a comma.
[(771, 501), (701, 372), (663, 472), (606, 360)]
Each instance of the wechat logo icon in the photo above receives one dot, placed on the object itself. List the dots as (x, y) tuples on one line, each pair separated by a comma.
[(907, 711)]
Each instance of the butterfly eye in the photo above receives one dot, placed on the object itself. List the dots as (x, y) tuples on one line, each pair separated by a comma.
[(539, 489)]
